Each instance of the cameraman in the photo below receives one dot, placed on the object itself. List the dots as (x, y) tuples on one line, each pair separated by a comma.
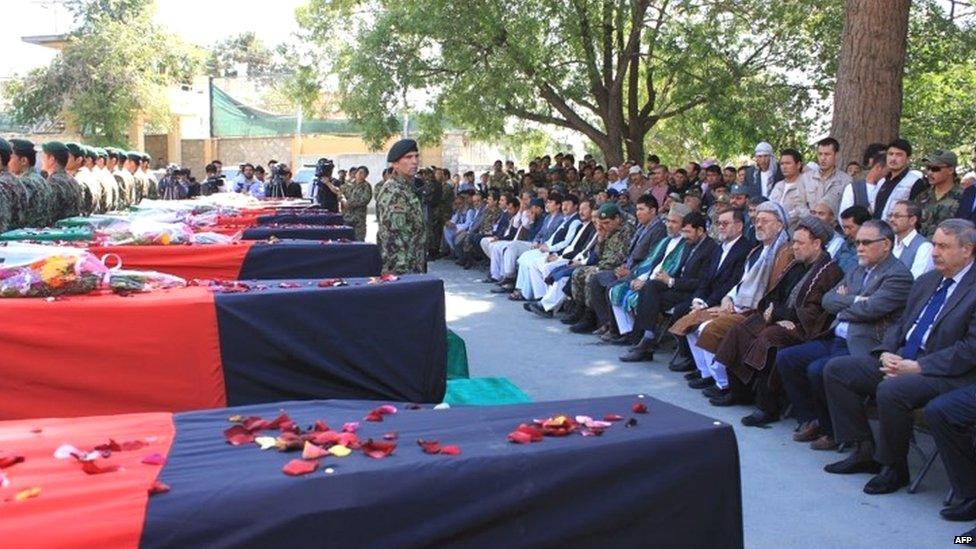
[(325, 190), (215, 180)]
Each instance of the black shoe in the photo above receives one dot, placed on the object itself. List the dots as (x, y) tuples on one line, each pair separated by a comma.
[(890, 479), (638, 355), (686, 365), (503, 289), (624, 339), (694, 374), (859, 461), (963, 511), (701, 383), (586, 324), (539, 310), (759, 418), (573, 318), (527, 306), (729, 399), (715, 392), (489, 280)]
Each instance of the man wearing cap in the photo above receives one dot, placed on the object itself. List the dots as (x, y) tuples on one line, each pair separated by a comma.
[(40, 209), (401, 234), (106, 180), (637, 184), (68, 192), (16, 199), (609, 253), (940, 200), (761, 178), (124, 174), (356, 196), (142, 181), (114, 164), (78, 169), (152, 184), (790, 313)]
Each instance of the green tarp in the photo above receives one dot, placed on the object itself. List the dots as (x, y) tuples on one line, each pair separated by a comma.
[(75, 234), (457, 357), (484, 391)]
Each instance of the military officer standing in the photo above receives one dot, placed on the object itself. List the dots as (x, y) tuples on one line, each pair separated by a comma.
[(106, 202), (136, 182), (67, 191), (401, 236), (940, 199), (41, 202), (152, 184), (355, 199), (123, 179), (16, 198), (77, 169)]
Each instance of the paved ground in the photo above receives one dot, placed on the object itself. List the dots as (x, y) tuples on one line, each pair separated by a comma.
[(788, 501)]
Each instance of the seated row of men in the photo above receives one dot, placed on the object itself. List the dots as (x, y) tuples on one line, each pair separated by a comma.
[(772, 313)]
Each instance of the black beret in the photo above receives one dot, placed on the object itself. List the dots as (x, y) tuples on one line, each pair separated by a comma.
[(54, 146), (400, 149), (5, 147), (146, 157), (22, 146), (90, 152), (134, 156), (74, 148)]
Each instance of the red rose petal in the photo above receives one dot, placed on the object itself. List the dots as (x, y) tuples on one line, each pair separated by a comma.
[(349, 440), (9, 460), (132, 445), (350, 427), (158, 488), (298, 467), (450, 450), (639, 408), (535, 435), (429, 446), (238, 435), (387, 409), (374, 416), (256, 424), (93, 468), (325, 438), (519, 437), (154, 459), (320, 426), (378, 449), (282, 418), (612, 417), (311, 451), (112, 446)]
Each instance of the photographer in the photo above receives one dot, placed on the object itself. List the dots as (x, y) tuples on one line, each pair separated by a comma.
[(214, 182), (325, 190)]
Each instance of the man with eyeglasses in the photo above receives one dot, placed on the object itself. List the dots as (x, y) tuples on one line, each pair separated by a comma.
[(869, 299), (911, 248), (940, 200)]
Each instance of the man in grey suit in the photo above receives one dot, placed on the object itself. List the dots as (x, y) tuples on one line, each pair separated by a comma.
[(869, 299), (931, 351)]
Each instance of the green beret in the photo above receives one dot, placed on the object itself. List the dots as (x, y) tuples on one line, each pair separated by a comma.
[(400, 149), (100, 152), (5, 147), (90, 152), (22, 146), (74, 148), (608, 211), (146, 157), (134, 156), (54, 146)]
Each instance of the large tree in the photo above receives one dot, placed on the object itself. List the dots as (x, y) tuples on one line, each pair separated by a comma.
[(609, 69), (244, 49), (114, 69)]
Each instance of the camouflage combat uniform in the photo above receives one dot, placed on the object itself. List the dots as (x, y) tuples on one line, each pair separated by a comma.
[(89, 187), (499, 180), (936, 210), (431, 202), (127, 186), (446, 206), (40, 208), (357, 197), (611, 251), (483, 228), (68, 195), (17, 198), (109, 187), (401, 236)]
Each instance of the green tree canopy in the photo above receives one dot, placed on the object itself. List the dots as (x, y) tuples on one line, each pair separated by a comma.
[(115, 67), (241, 49)]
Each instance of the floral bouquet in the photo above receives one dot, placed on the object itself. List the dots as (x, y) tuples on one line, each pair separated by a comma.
[(64, 272)]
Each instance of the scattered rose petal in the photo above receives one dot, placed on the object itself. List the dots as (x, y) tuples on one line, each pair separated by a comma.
[(311, 451), (253, 424), (442, 406), (9, 460), (4, 481), (289, 441), (278, 421), (109, 447), (340, 451), (154, 459), (612, 417), (289, 285), (639, 408), (238, 435), (374, 416), (298, 467), (27, 494), (158, 488), (387, 409), (350, 427), (37, 430), (378, 449), (583, 419), (320, 426), (518, 437), (266, 443), (429, 446), (325, 438), (132, 445), (451, 450), (349, 440), (93, 468)]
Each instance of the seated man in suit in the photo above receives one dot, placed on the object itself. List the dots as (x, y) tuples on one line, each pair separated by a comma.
[(791, 312), (931, 351), (869, 300), (533, 259), (723, 272), (951, 418), (549, 276), (492, 223), (663, 291), (544, 226)]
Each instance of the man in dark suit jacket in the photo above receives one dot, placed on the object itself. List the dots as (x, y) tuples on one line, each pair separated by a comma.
[(931, 351), (869, 300), (723, 271), (967, 205), (664, 291)]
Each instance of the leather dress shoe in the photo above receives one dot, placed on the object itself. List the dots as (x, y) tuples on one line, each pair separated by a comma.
[(825, 442), (963, 511), (858, 461), (728, 399), (503, 289), (759, 418), (528, 306), (601, 331), (890, 479), (715, 392), (489, 280), (694, 374), (623, 339), (808, 432), (685, 365), (585, 325), (539, 310), (638, 355), (701, 383)]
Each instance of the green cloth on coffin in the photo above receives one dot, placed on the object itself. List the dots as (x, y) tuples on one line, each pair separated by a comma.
[(484, 391), (75, 234), (622, 295), (457, 357), (95, 221)]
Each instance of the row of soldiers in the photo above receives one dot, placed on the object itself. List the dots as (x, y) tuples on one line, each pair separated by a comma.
[(72, 180)]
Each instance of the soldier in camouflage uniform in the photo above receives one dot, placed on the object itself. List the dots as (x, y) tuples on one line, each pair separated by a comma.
[(443, 177), (430, 199), (106, 202), (152, 184), (123, 179), (611, 248), (499, 179), (16, 197), (40, 203), (401, 236), (133, 165), (77, 168), (355, 200), (940, 200), (67, 191)]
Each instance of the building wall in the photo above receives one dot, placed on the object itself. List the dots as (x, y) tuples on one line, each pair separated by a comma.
[(157, 149), (256, 150), (196, 154)]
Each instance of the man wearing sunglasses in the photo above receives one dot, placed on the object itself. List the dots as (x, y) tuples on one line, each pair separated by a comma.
[(940, 200)]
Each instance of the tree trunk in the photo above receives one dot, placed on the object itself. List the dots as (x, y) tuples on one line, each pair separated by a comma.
[(613, 151), (867, 99)]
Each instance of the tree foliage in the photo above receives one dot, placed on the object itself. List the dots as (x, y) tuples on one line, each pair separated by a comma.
[(245, 49), (114, 68)]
